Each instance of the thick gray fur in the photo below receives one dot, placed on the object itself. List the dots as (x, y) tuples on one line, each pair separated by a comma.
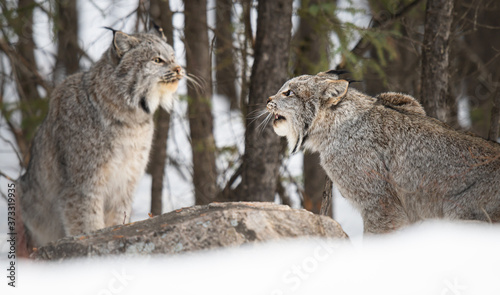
[(92, 148), (391, 161)]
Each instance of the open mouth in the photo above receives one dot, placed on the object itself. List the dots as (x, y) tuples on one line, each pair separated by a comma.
[(278, 118)]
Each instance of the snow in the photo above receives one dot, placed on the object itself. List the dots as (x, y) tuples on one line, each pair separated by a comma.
[(430, 258)]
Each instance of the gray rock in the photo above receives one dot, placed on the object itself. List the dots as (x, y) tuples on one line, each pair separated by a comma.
[(195, 228)]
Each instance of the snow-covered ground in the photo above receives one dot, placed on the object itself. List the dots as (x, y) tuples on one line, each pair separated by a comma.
[(432, 258)]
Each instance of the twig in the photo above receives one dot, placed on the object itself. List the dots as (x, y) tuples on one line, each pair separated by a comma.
[(224, 194), (5, 197), (24, 65), (476, 24), (6, 176), (19, 157), (300, 191), (487, 215), (235, 175), (285, 198)]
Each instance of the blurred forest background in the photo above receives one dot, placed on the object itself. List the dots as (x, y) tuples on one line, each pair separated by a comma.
[(443, 52)]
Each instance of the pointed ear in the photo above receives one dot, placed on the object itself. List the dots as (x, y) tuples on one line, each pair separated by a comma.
[(335, 91), (123, 43), (158, 31)]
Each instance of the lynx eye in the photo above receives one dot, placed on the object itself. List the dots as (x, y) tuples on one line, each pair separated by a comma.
[(288, 92), (158, 60)]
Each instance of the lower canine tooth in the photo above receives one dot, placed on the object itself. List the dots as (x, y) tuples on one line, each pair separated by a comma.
[(276, 117)]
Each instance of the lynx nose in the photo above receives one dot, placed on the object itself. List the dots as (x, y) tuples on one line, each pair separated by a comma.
[(270, 104), (178, 70)]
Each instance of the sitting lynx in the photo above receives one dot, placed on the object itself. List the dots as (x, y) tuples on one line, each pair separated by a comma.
[(395, 164), (93, 147)]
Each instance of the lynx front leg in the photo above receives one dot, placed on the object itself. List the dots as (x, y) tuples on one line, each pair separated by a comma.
[(119, 212), (82, 213)]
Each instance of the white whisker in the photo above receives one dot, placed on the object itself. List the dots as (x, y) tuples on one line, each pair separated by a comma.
[(256, 111), (196, 82), (264, 123), (263, 112)]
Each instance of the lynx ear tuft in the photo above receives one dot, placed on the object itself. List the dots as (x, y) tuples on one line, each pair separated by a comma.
[(158, 31), (123, 42), (335, 91)]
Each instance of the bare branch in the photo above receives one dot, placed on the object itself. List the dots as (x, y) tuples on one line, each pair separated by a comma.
[(7, 177), (4, 196), (24, 65), (12, 145)]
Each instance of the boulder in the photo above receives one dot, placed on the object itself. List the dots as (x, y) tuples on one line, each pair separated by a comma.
[(195, 228)]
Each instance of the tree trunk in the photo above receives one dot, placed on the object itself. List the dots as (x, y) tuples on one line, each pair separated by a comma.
[(435, 58), (162, 15), (261, 161), (493, 133), (326, 203), (200, 116), (477, 66), (25, 48), (246, 48), (311, 43), (66, 23), (314, 182), (25, 80), (225, 71), (158, 160)]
